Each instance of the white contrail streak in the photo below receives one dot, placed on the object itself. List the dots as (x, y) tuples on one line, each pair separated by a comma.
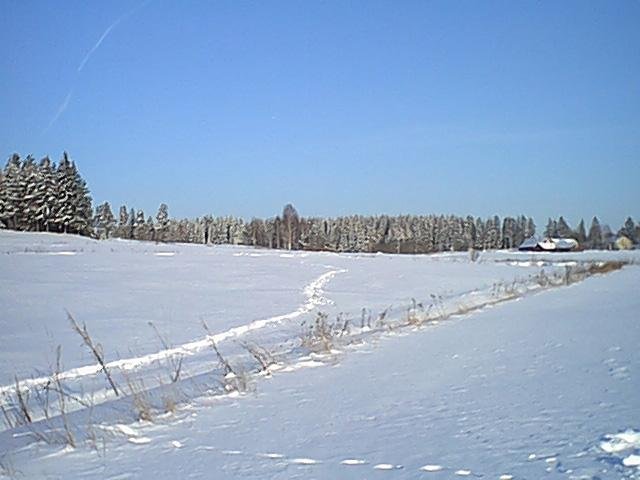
[(100, 40), (63, 106), (86, 58), (106, 33)]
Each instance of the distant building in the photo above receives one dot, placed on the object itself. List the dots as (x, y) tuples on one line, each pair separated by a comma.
[(529, 245), (623, 243), (549, 245)]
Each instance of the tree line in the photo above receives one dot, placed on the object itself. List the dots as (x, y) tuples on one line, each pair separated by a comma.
[(357, 233), (43, 196)]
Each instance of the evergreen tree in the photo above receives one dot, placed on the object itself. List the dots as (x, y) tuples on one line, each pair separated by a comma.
[(12, 198), (64, 211), (492, 237), (149, 229), (530, 231), (594, 240), (30, 181), (139, 226), (480, 235), (162, 222), (121, 229), (552, 229), (580, 234), (509, 228), (104, 221), (629, 230), (563, 230), (81, 203), (608, 237), (123, 216), (46, 195), (131, 227), (3, 200)]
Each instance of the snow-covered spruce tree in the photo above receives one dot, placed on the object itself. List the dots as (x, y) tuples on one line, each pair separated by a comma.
[(46, 195), (580, 234), (456, 228), (595, 239), (183, 229), (608, 237), (509, 227), (73, 212), (2, 200), (122, 230), (104, 221), (563, 228), (81, 198), (131, 225), (395, 235), (531, 228), (480, 234), (206, 229), (150, 229), (195, 234), (629, 230), (520, 228), (199, 230), (63, 212), (429, 234), (551, 230), (30, 179), (490, 234), (139, 229), (173, 230), (342, 235), (12, 196), (217, 231), (162, 222), (377, 229), (97, 223), (497, 242)]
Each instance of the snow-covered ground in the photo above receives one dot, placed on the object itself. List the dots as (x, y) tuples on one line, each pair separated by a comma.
[(118, 287), (545, 386)]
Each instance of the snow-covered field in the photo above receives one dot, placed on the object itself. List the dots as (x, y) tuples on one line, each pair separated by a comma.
[(530, 388), (118, 287)]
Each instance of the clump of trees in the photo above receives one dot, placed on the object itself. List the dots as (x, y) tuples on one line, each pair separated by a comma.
[(598, 237), (44, 197)]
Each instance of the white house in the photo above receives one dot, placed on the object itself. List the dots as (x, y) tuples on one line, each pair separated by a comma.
[(549, 245)]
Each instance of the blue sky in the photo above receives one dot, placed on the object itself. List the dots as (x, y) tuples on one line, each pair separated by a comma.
[(235, 107)]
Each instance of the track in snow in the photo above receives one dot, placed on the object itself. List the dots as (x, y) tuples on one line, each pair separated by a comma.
[(315, 297)]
